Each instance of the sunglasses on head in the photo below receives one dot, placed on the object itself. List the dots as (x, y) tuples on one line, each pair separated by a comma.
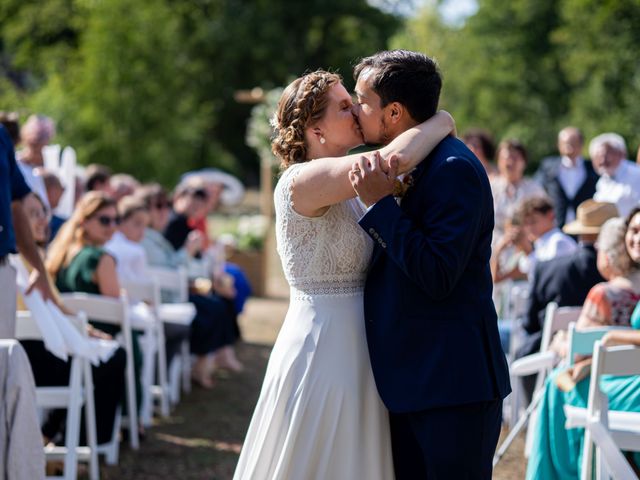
[(106, 220)]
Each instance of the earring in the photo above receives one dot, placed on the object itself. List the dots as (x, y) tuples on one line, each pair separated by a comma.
[(322, 140)]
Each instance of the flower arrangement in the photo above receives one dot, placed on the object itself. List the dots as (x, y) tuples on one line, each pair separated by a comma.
[(251, 232)]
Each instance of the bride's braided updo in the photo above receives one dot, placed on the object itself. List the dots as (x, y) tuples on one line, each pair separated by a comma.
[(302, 103)]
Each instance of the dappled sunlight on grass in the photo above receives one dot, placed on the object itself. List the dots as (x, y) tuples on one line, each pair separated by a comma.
[(200, 443)]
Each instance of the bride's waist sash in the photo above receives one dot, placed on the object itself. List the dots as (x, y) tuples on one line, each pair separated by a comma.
[(333, 287)]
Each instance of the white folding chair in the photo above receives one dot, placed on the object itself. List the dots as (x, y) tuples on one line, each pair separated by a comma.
[(149, 292), (114, 311), (607, 433), (540, 364), (71, 397), (175, 282), (623, 425)]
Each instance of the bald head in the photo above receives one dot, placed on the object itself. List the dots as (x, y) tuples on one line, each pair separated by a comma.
[(570, 142)]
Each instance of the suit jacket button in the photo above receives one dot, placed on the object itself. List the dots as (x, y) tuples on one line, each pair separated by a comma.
[(372, 231), (384, 245)]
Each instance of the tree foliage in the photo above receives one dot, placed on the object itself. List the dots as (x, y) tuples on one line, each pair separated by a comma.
[(527, 68), (147, 87)]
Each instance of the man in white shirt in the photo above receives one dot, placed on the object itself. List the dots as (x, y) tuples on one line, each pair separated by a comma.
[(538, 221), (619, 178), (568, 179)]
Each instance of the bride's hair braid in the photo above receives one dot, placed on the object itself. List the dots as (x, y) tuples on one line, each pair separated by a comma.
[(302, 103)]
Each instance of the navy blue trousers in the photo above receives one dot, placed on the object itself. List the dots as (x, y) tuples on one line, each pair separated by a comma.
[(452, 443)]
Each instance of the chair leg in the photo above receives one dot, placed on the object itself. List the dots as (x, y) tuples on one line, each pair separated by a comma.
[(73, 421), (186, 367), (90, 422), (148, 344), (162, 372)]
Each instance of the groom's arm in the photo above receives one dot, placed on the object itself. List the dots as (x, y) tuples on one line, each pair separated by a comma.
[(435, 252)]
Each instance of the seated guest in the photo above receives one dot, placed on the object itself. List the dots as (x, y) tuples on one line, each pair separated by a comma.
[(539, 222), (512, 246), (556, 450), (564, 280), (78, 261), (48, 370), (190, 205), (568, 179), (131, 259), (54, 189), (509, 186), (124, 245), (123, 184), (214, 329), (479, 141), (619, 178), (96, 178)]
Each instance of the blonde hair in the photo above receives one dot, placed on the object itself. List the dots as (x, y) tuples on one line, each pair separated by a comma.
[(72, 233), (302, 103), (611, 242)]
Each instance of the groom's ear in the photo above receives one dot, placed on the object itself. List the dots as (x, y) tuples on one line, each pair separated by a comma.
[(395, 112)]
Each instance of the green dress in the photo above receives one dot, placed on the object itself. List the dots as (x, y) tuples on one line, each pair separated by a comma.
[(557, 451), (78, 276)]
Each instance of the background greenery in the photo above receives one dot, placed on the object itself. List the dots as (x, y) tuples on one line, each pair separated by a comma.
[(147, 86)]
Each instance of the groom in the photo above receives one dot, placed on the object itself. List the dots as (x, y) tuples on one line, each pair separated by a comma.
[(430, 320)]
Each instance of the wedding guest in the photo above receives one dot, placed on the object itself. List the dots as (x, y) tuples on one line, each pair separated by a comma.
[(568, 179), (213, 330), (54, 189), (96, 178), (11, 122), (78, 261), (556, 450), (122, 184), (619, 178), (479, 141), (564, 280), (35, 134), (539, 223), (15, 235), (48, 370), (510, 187)]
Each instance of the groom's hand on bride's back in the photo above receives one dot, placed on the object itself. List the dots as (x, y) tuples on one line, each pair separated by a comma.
[(373, 178)]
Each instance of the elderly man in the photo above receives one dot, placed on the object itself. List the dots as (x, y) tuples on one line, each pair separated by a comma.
[(620, 178), (568, 179)]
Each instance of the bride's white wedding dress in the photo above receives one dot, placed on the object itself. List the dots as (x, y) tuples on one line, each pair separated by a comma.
[(319, 415)]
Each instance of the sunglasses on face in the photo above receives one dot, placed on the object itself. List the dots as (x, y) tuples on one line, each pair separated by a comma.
[(106, 220)]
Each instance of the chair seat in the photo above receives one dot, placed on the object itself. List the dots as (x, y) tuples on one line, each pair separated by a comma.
[(180, 313), (618, 420), (54, 397)]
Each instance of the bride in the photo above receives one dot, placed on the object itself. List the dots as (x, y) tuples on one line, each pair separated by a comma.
[(319, 415)]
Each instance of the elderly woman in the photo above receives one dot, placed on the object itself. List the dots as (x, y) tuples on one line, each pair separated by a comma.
[(556, 451)]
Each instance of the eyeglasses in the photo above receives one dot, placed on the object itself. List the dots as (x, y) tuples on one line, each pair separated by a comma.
[(106, 220)]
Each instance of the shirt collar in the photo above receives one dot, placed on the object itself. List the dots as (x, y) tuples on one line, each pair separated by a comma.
[(567, 163)]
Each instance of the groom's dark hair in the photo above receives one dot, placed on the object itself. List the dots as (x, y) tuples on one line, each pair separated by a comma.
[(409, 78)]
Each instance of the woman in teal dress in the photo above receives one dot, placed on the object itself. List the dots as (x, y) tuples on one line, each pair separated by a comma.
[(556, 451)]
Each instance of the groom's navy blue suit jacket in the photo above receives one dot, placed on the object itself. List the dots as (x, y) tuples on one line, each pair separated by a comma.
[(431, 323)]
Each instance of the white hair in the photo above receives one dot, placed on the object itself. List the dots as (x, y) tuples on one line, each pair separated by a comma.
[(611, 139), (611, 243)]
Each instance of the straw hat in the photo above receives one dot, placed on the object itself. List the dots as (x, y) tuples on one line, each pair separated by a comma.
[(590, 216)]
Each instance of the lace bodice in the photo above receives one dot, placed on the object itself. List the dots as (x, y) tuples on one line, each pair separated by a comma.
[(326, 255)]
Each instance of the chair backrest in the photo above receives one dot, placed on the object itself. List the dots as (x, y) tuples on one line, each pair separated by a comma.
[(556, 319), (27, 328), (581, 341), (175, 281), (98, 307), (148, 291)]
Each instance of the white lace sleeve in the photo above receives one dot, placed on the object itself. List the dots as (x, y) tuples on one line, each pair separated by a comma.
[(282, 196)]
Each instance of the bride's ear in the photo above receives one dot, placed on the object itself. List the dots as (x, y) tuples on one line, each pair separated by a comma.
[(317, 133)]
